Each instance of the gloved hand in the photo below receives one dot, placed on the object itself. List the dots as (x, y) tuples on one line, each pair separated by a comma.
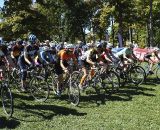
[(66, 71), (31, 66)]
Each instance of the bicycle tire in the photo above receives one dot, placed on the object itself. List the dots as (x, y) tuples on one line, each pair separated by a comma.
[(115, 79), (73, 91), (158, 73), (7, 100), (137, 71), (39, 88), (108, 85)]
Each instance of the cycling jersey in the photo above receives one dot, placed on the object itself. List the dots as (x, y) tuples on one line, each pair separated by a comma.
[(17, 50), (45, 56), (65, 57), (124, 51), (91, 54), (31, 52), (3, 50), (62, 55)]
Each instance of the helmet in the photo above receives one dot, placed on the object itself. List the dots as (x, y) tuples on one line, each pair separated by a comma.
[(156, 49), (45, 48), (109, 45), (53, 46), (99, 45), (85, 47), (104, 44), (68, 48), (19, 41), (32, 38)]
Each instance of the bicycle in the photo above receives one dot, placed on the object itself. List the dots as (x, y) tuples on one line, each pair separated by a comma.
[(134, 74), (69, 85), (103, 81), (37, 82)]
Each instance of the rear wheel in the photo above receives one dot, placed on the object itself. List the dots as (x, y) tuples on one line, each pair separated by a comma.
[(39, 88)]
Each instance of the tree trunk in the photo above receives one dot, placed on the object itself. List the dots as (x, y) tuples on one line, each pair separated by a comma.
[(120, 20)]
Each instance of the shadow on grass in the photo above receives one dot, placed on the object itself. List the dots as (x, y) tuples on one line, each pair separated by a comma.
[(151, 81), (125, 93), (23, 96), (46, 112), (90, 99), (8, 123)]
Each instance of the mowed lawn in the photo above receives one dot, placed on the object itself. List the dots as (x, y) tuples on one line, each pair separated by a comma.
[(131, 108)]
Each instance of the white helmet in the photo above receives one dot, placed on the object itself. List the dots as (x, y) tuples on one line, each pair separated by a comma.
[(45, 48)]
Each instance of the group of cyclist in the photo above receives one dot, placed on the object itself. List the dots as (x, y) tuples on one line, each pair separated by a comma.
[(32, 54)]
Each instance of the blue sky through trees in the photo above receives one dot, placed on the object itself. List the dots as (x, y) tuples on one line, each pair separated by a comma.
[(1, 3)]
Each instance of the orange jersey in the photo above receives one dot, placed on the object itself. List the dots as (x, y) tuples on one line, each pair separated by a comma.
[(64, 56)]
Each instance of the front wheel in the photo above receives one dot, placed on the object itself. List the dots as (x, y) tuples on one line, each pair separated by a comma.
[(137, 75), (115, 80), (158, 73), (39, 88), (7, 100), (74, 92)]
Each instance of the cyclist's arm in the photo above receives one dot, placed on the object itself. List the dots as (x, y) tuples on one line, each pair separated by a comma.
[(5, 57), (26, 58), (89, 60), (12, 55), (106, 58), (125, 57), (62, 65), (157, 56), (43, 56), (61, 61)]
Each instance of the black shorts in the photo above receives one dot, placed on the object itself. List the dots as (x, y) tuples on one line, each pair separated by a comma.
[(148, 56), (58, 68), (85, 64)]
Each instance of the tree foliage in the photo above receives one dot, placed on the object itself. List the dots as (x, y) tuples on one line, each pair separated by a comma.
[(67, 20)]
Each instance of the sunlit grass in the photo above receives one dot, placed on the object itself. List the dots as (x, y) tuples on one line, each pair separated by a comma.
[(131, 108)]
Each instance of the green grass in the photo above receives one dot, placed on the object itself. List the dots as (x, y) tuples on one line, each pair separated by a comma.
[(129, 109)]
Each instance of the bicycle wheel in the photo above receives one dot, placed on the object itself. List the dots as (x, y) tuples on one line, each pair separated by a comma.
[(16, 75), (7, 100), (53, 80), (39, 88), (158, 73), (99, 85), (115, 80), (74, 92), (137, 75), (145, 66), (108, 84)]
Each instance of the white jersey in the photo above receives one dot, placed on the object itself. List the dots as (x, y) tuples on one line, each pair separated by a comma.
[(86, 54), (125, 51)]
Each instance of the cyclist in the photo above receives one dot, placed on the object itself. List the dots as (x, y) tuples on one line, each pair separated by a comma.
[(89, 59), (61, 66), (16, 50), (45, 56), (106, 54), (27, 59), (126, 56), (152, 57)]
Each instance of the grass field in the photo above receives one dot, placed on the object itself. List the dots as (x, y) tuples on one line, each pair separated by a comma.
[(130, 109)]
